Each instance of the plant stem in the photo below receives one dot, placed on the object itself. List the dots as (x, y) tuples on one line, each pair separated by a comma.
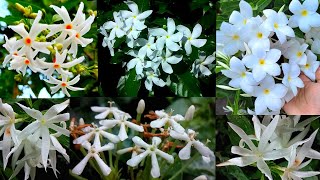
[(138, 118), (76, 176), (110, 159), (184, 166), (131, 173)]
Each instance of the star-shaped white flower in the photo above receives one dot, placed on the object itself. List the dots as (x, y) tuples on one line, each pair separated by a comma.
[(165, 118), (153, 78), (21, 63), (311, 66), (291, 78), (166, 59), (134, 17), (191, 38), (64, 84), (241, 18), (200, 65), (138, 61), (11, 46), (116, 27), (148, 47), (105, 111), (296, 53), (106, 41)]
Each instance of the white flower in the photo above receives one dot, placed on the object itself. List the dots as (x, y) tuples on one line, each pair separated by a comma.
[(166, 59), (42, 124), (105, 111), (257, 35), (164, 118), (132, 35), (96, 132), (123, 123), (189, 137), (151, 150), (11, 46), (94, 151), (269, 95), (296, 53), (21, 63), (106, 41), (138, 62), (311, 66), (278, 23), (263, 63), (191, 38), (116, 27), (304, 15), (134, 17), (168, 38), (241, 18), (153, 78), (148, 47), (136, 150), (200, 65), (28, 41), (231, 37), (240, 77), (64, 84), (58, 64), (291, 77)]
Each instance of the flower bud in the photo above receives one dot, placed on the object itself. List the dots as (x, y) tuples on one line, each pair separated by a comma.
[(33, 15), (18, 77), (141, 106), (81, 121), (59, 46), (190, 113), (19, 7)]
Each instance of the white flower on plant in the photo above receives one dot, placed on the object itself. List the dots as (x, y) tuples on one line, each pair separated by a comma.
[(241, 18), (153, 78), (291, 78), (256, 154), (21, 63), (132, 35), (123, 123), (263, 63), (257, 35), (191, 38), (64, 84), (94, 151), (136, 150), (28, 42), (11, 45), (269, 95), (168, 119), (168, 38), (166, 59), (116, 26), (134, 18), (148, 47), (296, 53), (105, 111), (189, 137), (106, 41), (240, 77), (231, 37), (200, 65), (138, 61), (311, 66), (278, 23), (151, 150), (266, 112), (42, 124), (58, 64), (304, 15)]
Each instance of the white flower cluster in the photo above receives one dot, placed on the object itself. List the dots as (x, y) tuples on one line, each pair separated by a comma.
[(274, 138), (37, 142), (160, 48), (24, 51), (165, 122), (268, 41)]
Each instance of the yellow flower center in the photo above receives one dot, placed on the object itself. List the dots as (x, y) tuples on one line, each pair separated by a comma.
[(304, 12), (299, 54), (307, 66), (289, 78), (167, 36), (43, 121), (245, 21), (266, 91), (243, 74), (259, 35), (56, 66), (262, 62), (235, 37), (275, 25)]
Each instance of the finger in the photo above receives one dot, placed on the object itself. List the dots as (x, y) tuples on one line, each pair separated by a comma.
[(318, 74), (304, 78)]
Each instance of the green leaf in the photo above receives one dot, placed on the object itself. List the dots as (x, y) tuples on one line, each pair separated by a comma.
[(128, 85), (187, 86), (244, 123), (143, 5)]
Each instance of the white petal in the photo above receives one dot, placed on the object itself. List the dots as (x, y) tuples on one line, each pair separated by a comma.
[(155, 170), (103, 166), (82, 164), (184, 153)]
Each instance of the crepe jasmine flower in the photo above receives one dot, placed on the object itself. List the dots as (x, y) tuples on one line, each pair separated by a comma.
[(296, 53), (201, 65), (258, 36), (21, 63), (168, 38), (153, 78), (189, 137), (256, 154), (191, 38), (106, 41), (240, 77), (123, 123), (42, 124), (138, 61), (58, 64), (136, 150), (11, 45), (263, 63), (269, 95), (168, 119), (148, 47), (105, 111), (64, 84), (28, 41), (311, 66), (94, 151), (304, 15), (116, 27), (241, 18), (151, 150), (134, 18), (166, 59), (96, 132), (291, 77), (231, 37), (278, 23), (132, 35)]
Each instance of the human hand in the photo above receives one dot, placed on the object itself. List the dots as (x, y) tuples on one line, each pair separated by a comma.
[(307, 101)]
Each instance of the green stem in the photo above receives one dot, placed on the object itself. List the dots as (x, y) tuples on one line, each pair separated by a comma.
[(131, 173), (184, 166), (76, 176), (138, 118), (110, 159)]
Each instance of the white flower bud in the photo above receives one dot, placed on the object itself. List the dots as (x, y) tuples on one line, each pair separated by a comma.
[(81, 122), (190, 113), (202, 177), (141, 106)]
